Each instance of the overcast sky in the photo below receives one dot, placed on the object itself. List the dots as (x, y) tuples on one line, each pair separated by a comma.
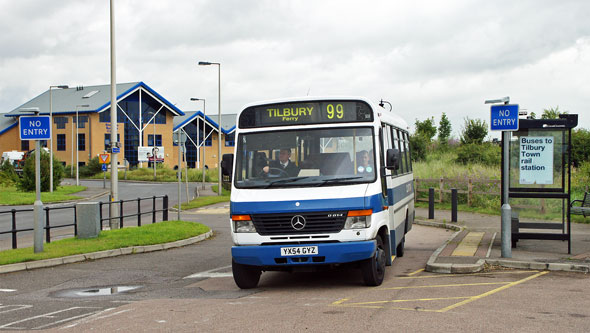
[(424, 57)]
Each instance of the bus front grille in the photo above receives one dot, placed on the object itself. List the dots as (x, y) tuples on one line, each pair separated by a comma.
[(315, 223)]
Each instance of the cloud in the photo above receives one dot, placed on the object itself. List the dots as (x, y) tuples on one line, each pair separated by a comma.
[(425, 57)]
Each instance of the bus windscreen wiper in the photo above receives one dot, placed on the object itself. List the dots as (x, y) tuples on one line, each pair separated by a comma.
[(285, 180), (334, 180)]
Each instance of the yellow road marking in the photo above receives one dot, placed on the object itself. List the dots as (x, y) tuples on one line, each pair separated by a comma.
[(403, 300), (446, 285), (468, 245), (340, 301), (472, 274), (474, 298), (416, 272)]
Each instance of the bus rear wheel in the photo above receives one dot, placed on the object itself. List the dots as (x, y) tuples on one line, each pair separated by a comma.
[(245, 276), (374, 268)]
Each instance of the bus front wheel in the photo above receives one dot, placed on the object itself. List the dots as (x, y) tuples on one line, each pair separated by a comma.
[(245, 276), (374, 268)]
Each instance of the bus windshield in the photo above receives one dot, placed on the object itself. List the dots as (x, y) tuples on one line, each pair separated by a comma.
[(305, 158)]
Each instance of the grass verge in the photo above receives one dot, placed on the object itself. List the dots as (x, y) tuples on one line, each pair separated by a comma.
[(206, 200), (12, 196), (150, 234)]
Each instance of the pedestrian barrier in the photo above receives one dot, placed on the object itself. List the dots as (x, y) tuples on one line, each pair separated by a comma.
[(14, 231)]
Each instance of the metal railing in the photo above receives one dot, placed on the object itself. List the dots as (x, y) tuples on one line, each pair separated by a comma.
[(121, 217), (14, 230), (139, 213)]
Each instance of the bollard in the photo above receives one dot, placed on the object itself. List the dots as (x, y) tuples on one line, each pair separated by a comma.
[(431, 203), (453, 205)]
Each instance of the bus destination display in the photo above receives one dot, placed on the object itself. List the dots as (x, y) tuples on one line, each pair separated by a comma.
[(305, 113)]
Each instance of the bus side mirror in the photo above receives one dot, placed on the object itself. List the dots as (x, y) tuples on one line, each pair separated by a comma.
[(227, 162), (392, 159)]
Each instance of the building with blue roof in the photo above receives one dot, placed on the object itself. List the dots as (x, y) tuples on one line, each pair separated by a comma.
[(145, 119)]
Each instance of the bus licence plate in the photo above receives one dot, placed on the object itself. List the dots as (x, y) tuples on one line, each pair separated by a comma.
[(300, 250)]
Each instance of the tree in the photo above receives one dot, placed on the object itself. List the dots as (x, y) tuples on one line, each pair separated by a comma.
[(27, 182), (426, 128), (418, 147), (444, 129), (580, 146), (474, 131), (552, 113)]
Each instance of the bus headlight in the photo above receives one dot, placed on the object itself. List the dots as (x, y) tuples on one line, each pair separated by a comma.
[(243, 223), (358, 219)]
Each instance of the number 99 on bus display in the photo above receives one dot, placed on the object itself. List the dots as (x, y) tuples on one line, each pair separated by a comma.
[(337, 110)]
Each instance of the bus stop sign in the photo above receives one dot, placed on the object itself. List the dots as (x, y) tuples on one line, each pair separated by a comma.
[(504, 117)]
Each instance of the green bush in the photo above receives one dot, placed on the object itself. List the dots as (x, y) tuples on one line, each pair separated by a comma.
[(8, 176), (91, 169), (418, 147), (580, 146), (486, 153), (474, 131), (27, 181)]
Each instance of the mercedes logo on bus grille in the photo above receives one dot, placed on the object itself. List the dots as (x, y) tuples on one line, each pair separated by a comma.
[(298, 222)]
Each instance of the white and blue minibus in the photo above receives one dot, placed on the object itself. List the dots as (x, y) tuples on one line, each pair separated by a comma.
[(319, 182)]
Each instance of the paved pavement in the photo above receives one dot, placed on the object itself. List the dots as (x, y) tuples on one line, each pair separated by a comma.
[(477, 243)]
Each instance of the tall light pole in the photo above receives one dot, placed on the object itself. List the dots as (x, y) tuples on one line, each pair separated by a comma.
[(115, 146), (51, 140), (78, 142), (205, 63), (203, 157)]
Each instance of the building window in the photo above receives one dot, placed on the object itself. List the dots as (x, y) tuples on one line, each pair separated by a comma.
[(60, 122), (104, 117), (107, 140), (151, 140), (82, 121), (81, 141), (24, 145), (61, 142), (230, 140)]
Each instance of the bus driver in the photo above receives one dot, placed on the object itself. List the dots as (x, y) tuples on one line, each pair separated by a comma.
[(284, 166)]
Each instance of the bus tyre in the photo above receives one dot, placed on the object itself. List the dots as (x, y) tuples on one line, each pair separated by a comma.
[(245, 276), (399, 250), (374, 268)]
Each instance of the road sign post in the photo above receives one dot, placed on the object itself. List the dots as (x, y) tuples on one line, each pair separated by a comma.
[(504, 117), (36, 128), (104, 159)]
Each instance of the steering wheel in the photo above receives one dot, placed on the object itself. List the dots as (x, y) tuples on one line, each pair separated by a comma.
[(280, 172)]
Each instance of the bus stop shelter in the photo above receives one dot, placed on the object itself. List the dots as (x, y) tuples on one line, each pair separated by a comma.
[(540, 179)]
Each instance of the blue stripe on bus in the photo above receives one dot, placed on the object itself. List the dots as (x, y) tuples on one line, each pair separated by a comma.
[(398, 193), (374, 202)]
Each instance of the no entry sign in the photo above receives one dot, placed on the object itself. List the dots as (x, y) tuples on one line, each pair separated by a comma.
[(34, 128)]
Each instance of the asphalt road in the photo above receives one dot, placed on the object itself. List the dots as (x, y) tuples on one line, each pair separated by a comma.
[(127, 190), (190, 289)]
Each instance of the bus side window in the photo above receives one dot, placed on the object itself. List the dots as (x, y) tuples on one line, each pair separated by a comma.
[(408, 151), (396, 146), (402, 149)]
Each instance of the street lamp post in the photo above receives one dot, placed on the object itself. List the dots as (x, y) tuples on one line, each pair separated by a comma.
[(78, 142), (51, 140), (205, 63), (203, 156)]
